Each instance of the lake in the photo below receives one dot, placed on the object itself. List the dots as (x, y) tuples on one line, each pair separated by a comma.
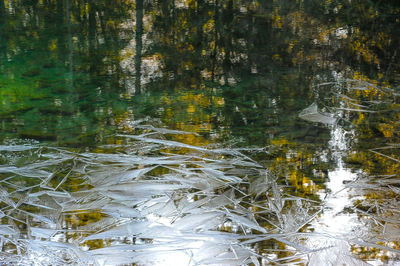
[(202, 132)]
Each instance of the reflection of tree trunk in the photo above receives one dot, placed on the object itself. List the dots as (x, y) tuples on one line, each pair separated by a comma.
[(92, 36), (169, 30), (2, 13), (138, 39), (70, 55), (60, 15), (60, 12), (227, 22), (104, 27), (249, 43), (216, 32), (198, 43), (3, 38)]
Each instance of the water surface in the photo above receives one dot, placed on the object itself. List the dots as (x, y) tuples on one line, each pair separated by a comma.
[(225, 132)]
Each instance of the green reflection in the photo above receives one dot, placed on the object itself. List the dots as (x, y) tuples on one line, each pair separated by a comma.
[(71, 57), (236, 72)]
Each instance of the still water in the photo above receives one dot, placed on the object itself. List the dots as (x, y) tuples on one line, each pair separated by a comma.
[(199, 132)]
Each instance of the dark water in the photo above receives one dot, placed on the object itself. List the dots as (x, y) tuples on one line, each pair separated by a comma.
[(237, 74)]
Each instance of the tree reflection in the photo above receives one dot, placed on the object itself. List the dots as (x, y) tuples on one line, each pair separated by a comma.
[(233, 72), (138, 39), (67, 52)]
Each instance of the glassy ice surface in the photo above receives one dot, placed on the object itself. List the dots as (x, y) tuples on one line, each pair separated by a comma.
[(199, 132)]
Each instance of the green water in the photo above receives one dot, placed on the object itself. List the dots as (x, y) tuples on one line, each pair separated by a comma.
[(75, 74), (68, 69)]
